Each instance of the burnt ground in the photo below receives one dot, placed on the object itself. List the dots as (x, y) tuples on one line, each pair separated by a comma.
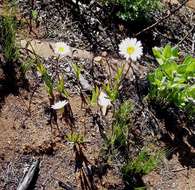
[(26, 135)]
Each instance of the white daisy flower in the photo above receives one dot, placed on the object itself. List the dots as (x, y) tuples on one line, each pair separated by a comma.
[(59, 105), (104, 102), (62, 49), (131, 48)]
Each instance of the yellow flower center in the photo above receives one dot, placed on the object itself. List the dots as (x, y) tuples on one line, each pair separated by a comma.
[(130, 50), (61, 49)]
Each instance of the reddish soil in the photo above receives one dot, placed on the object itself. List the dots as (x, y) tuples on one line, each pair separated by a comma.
[(27, 137)]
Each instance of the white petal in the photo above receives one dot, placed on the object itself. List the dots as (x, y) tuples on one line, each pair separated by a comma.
[(104, 109), (104, 102), (59, 105)]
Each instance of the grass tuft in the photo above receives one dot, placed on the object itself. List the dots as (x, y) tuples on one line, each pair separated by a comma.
[(8, 33)]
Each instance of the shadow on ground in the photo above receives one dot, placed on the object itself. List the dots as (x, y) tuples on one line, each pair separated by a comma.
[(178, 134), (10, 80), (98, 26)]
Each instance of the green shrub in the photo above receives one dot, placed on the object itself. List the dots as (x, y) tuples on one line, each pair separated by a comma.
[(121, 125), (144, 163), (8, 33), (133, 9), (173, 82), (75, 138)]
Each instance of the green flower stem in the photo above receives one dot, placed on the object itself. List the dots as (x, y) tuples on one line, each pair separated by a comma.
[(109, 69), (129, 66), (125, 75), (58, 68)]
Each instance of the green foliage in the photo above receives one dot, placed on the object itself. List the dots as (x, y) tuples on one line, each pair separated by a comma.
[(34, 14), (36, 63), (27, 65), (140, 188), (121, 125), (75, 138), (111, 92), (77, 70), (165, 55), (112, 89), (133, 9), (94, 97), (31, 62), (8, 33), (173, 82), (144, 163), (60, 87), (46, 78)]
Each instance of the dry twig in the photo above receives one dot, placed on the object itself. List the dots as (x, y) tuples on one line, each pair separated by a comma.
[(163, 18)]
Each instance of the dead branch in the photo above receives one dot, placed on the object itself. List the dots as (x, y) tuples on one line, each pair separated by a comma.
[(188, 33), (28, 176), (163, 18)]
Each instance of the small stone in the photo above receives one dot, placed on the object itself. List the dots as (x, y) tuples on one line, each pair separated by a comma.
[(67, 69), (85, 84), (98, 59), (104, 54), (191, 4), (93, 134)]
